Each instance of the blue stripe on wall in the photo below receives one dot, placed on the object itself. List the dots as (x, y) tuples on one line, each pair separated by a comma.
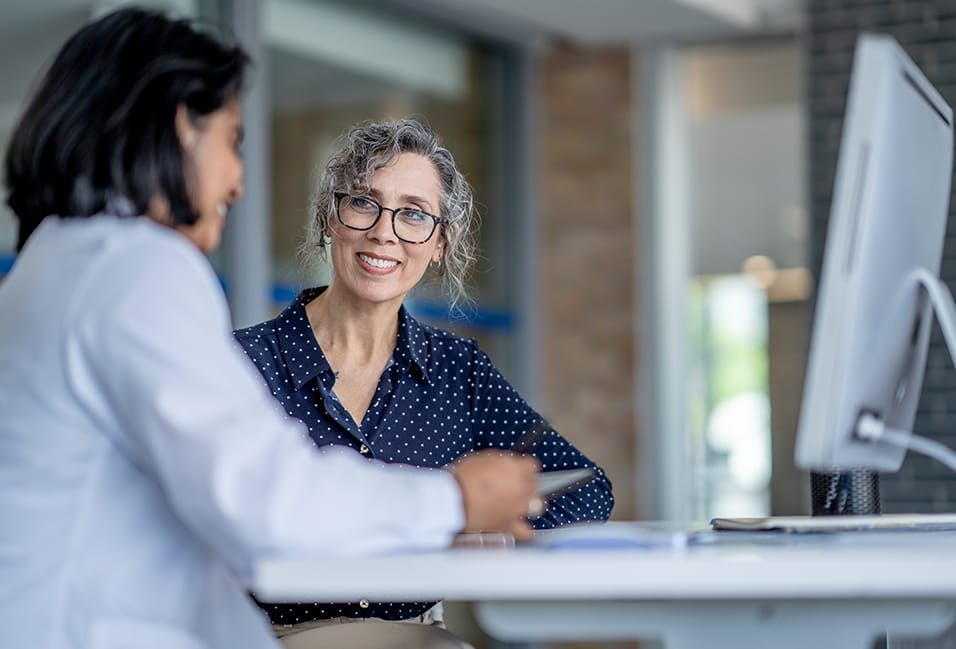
[(474, 316), (435, 311)]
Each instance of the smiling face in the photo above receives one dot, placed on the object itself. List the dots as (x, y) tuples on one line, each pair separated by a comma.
[(374, 265), (213, 170)]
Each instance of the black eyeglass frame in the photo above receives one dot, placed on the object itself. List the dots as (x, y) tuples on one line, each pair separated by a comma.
[(340, 196)]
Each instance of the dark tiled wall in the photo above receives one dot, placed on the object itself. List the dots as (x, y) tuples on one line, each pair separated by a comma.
[(927, 31)]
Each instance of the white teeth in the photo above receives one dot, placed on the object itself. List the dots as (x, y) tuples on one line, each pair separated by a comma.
[(222, 209), (378, 263)]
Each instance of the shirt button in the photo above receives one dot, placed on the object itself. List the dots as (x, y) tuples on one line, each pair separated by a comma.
[(364, 450), (364, 603)]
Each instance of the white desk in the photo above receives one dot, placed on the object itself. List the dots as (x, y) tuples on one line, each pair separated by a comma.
[(817, 591)]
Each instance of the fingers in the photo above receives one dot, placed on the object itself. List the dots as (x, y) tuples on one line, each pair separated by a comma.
[(522, 531), (499, 490)]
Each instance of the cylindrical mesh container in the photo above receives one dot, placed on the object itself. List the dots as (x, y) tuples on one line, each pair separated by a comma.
[(856, 491)]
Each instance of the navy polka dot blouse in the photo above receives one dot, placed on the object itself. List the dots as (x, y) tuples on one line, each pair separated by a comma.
[(438, 398)]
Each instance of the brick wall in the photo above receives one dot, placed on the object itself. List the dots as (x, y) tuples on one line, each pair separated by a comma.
[(586, 251), (927, 31)]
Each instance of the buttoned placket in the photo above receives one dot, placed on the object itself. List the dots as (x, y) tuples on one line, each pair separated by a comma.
[(338, 413), (361, 433)]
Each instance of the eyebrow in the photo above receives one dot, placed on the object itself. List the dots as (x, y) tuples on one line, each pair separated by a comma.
[(404, 198)]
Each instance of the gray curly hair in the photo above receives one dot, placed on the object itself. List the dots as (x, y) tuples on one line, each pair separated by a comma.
[(369, 146)]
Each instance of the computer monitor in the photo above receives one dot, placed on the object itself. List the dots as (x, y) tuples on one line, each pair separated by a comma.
[(879, 284)]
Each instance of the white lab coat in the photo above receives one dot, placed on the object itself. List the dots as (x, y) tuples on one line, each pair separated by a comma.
[(144, 468)]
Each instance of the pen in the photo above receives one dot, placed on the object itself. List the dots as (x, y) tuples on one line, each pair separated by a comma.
[(530, 438)]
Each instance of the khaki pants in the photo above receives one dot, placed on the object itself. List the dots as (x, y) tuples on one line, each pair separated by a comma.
[(424, 632)]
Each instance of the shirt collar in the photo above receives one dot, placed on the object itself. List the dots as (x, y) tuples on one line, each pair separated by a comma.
[(305, 359), (412, 344), (300, 350)]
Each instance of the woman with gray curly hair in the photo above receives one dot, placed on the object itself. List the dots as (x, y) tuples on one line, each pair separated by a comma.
[(360, 371), (366, 149)]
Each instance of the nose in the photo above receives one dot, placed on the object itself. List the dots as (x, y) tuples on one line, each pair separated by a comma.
[(239, 189), (382, 231)]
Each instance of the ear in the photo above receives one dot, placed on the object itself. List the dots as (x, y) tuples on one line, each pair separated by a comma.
[(186, 131), (439, 251), (158, 210)]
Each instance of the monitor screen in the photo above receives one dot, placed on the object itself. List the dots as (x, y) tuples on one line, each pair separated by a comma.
[(887, 225)]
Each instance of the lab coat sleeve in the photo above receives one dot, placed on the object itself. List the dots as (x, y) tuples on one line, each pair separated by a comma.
[(193, 414)]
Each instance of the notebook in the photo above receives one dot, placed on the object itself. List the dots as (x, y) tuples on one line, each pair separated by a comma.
[(899, 522)]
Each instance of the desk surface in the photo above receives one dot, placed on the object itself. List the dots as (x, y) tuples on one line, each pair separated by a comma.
[(720, 590), (712, 566)]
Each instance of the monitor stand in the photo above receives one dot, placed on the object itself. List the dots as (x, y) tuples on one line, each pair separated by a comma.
[(844, 493)]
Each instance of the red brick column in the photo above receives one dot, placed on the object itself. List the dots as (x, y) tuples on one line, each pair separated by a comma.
[(586, 254)]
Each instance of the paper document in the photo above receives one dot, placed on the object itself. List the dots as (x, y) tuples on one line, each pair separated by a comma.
[(613, 535)]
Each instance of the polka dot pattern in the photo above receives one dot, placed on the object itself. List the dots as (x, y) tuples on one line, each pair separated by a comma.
[(438, 398)]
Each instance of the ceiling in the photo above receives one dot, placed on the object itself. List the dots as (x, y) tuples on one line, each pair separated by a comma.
[(609, 21), (31, 30), (594, 21)]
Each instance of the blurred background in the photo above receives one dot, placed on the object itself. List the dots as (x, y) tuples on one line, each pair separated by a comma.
[(654, 179)]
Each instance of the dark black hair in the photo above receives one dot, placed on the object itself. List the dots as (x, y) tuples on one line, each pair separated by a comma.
[(100, 128)]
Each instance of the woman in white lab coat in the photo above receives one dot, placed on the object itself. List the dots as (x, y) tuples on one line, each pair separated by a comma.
[(144, 469)]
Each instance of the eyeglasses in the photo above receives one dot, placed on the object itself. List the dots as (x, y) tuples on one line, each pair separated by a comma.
[(362, 213)]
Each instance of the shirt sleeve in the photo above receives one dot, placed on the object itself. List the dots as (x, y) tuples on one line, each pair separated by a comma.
[(502, 417), (194, 416)]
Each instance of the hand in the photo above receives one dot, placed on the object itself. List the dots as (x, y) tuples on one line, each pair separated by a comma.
[(498, 490)]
